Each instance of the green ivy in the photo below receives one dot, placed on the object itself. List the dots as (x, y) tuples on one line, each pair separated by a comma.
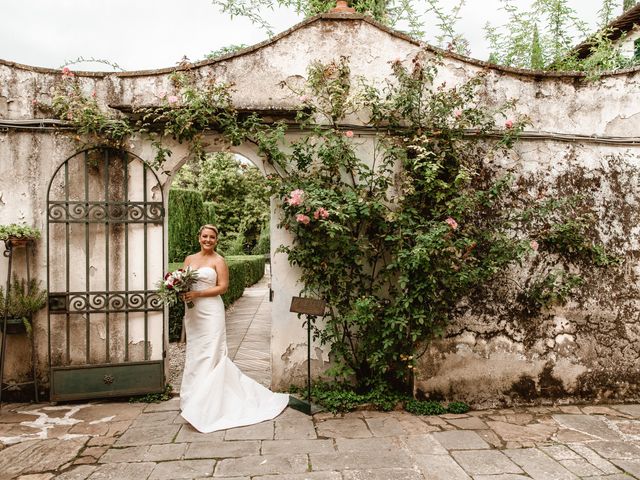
[(163, 396)]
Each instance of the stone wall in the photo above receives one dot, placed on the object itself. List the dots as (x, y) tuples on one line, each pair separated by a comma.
[(492, 353)]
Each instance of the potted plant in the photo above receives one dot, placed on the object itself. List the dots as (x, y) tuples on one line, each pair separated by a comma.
[(25, 299), (18, 234)]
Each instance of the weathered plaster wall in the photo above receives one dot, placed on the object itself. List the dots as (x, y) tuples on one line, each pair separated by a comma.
[(492, 353), (497, 353), (627, 43)]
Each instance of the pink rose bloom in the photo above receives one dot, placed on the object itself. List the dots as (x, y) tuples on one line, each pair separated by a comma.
[(302, 218), (508, 124), (66, 71), (321, 213), (34, 102), (349, 134), (172, 99), (534, 245), (93, 94), (295, 198), (457, 113), (452, 223)]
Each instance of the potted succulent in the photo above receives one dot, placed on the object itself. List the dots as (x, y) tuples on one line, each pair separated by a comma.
[(25, 299), (18, 234)]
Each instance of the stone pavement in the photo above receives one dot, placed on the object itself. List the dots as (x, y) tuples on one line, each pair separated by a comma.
[(114, 440), (121, 440)]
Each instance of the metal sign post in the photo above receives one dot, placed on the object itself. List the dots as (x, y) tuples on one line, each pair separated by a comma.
[(312, 308)]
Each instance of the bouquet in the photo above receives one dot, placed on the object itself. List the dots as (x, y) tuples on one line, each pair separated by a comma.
[(176, 283)]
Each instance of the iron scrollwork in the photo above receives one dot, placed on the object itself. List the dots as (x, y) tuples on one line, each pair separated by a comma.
[(105, 302), (101, 212)]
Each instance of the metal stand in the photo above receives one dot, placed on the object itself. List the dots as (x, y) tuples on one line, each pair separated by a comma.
[(311, 308), (10, 245)]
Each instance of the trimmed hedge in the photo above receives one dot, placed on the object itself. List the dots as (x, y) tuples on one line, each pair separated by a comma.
[(253, 265), (186, 214), (244, 271)]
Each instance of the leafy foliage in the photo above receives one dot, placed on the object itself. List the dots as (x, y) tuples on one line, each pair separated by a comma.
[(15, 230), (394, 251), (336, 397), (24, 300), (186, 214), (236, 192), (163, 396), (183, 115)]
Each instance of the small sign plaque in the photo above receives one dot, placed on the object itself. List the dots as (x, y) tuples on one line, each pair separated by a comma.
[(308, 306)]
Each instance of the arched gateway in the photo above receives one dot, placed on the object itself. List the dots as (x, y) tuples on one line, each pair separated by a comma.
[(105, 251)]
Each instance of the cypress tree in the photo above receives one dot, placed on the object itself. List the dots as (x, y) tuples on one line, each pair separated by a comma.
[(537, 60)]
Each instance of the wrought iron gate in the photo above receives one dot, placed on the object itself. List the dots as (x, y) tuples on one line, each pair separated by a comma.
[(105, 252)]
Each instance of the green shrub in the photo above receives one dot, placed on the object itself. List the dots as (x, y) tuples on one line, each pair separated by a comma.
[(338, 397), (263, 245), (186, 214), (176, 314), (457, 407), (25, 299), (419, 407), (210, 216), (253, 266), (236, 283)]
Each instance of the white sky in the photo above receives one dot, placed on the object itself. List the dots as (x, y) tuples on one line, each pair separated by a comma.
[(147, 34)]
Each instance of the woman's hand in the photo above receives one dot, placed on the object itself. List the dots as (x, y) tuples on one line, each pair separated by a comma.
[(190, 296)]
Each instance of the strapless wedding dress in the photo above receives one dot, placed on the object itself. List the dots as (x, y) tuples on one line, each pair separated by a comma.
[(215, 394)]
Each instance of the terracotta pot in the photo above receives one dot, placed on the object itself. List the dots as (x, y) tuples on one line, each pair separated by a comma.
[(18, 241)]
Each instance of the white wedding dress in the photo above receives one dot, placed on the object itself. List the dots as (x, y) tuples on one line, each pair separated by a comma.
[(215, 394)]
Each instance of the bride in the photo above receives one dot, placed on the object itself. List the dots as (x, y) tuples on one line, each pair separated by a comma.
[(215, 394)]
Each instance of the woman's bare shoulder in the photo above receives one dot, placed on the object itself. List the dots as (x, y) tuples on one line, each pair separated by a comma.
[(220, 261), (189, 259)]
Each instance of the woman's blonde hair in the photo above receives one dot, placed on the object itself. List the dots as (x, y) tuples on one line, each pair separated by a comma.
[(208, 227)]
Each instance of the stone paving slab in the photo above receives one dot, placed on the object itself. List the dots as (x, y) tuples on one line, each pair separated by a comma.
[(440, 467), (460, 440), (182, 469), (148, 435), (485, 462), (359, 460), (121, 471), (219, 450), (343, 428), (38, 456), (594, 426), (538, 465), (383, 474), (281, 447), (262, 465)]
